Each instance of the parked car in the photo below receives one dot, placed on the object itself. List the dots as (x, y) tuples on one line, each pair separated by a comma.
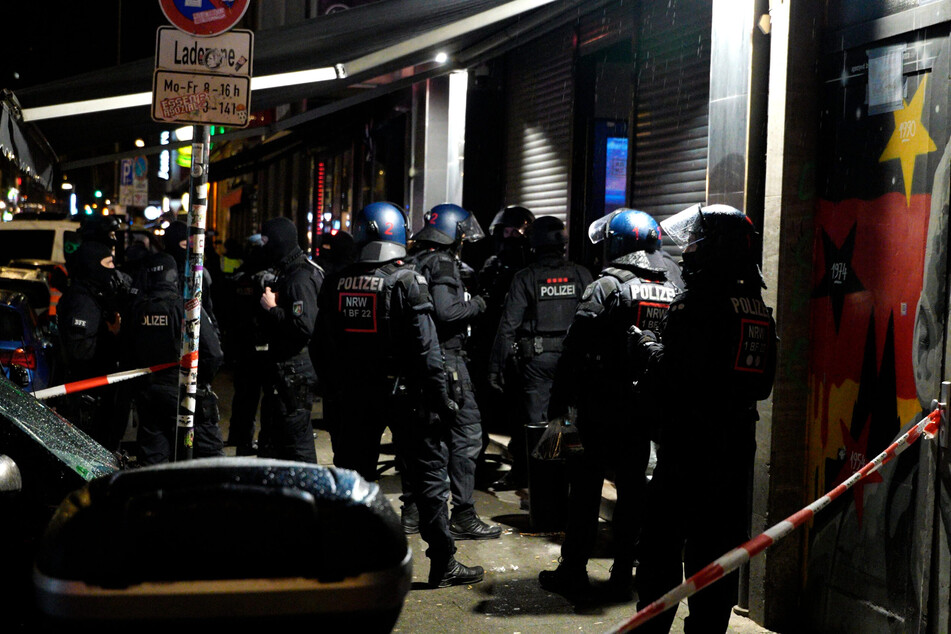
[(43, 458), (57, 278), (27, 353), (38, 239)]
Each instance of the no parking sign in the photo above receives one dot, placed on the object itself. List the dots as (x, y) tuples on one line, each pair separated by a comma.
[(204, 17)]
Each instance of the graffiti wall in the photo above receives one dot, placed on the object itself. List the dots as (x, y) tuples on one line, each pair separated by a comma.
[(877, 327)]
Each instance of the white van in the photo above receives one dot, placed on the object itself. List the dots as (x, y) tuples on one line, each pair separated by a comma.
[(38, 240)]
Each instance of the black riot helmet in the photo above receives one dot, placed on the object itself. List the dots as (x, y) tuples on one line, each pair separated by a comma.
[(717, 241), (547, 233), (515, 218), (379, 232), (630, 237), (449, 224)]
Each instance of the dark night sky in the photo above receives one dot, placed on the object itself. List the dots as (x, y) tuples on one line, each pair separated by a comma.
[(45, 41)]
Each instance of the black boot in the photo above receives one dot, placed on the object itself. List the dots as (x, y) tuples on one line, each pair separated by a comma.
[(409, 518), (620, 586), (454, 574), (468, 525), (569, 581)]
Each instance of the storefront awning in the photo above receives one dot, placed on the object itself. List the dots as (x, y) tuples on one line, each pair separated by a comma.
[(27, 149), (360, 44)]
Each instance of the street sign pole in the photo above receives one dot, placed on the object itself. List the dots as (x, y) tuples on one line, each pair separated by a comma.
[(194, 268)]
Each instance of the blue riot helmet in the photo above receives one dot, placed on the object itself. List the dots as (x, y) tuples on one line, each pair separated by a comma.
[(630, 237), (448, 224), (379, 232), (716, 240)]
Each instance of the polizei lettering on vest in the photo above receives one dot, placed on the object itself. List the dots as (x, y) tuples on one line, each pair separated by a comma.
[(750, 306), (558, 290), (361, 283), (652, 292), (154, 320)]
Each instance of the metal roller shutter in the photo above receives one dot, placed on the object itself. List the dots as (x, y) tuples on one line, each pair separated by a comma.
[(540, 91), (672, 88)]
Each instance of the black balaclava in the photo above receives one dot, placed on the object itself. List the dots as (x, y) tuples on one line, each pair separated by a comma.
[(161, 273), (88, 263), (174, 234), (281, 237)]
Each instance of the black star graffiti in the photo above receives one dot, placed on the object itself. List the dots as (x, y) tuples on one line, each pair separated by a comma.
[(839, 279)]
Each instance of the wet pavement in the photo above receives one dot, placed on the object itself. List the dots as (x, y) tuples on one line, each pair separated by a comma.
[(510, 598)]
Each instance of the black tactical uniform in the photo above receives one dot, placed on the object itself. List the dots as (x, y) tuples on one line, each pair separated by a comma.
[(597, 377), (716, 360), (248, 349), (436, 246), (382, 360), (154, 336), (511, 253), (290, 380), (89, 321), (539, 308)]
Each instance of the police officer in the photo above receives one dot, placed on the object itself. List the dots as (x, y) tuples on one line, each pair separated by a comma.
[(596, 377), (382, 345), (290, 305), (90, 322), (511, 252), (154, 336), (715, 360), (248, 346), (436, 251), (538, 310), (176, 244)]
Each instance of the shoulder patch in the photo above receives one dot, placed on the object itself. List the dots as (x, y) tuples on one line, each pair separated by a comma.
[(297, 308)]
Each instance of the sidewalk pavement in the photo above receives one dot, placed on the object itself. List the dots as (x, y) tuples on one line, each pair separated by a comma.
[(510, 598)]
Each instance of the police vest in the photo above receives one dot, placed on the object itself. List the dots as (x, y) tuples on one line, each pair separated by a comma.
[(751, 357), (368, 314), (439, 267), (642, 303), (156, 332), (557, 293)]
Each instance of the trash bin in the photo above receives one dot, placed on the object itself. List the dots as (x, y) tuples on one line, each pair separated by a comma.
[(547, 486), (224, 541)]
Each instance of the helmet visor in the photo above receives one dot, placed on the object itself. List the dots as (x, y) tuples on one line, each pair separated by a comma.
[(470, 230), (598, 230), (685, 227)]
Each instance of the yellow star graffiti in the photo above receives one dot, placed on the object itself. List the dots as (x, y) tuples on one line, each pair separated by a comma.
[(910, 138)]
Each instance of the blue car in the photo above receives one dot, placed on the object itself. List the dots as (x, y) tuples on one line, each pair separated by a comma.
[(26, 350)]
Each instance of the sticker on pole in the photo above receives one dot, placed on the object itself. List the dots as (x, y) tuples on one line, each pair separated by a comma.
[(201, 98), (204, 17)]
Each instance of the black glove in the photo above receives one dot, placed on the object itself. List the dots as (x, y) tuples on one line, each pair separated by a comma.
[(495, 382), (640, 344), (448, 409), (478, 301)]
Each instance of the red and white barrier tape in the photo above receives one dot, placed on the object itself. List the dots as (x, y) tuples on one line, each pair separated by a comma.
[(109, 379), (732, 560)]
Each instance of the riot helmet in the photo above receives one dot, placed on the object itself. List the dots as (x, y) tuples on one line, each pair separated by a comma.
[(279, 236), (379, 232), (547, 233), (630, 237), (717, 240), (449, 224), (513, 219)]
